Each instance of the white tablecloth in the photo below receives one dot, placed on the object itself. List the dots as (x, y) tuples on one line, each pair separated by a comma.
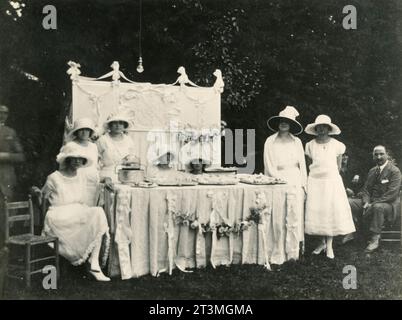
[(148, 241)]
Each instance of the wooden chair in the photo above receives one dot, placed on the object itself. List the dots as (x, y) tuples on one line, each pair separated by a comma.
[(3, 268), (393, 234), (28, 241)]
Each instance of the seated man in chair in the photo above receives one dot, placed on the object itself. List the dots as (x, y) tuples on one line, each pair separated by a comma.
[(379, 198)]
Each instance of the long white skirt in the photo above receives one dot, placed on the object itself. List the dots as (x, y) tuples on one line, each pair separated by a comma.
[(79, 229), (328, 211)]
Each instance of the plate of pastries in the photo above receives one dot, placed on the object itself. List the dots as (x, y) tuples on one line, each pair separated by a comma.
[(259, 179), (179, 181), (220, 170), (217, 179)]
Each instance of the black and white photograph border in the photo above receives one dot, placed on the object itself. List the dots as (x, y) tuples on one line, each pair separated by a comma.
[(244, 150)]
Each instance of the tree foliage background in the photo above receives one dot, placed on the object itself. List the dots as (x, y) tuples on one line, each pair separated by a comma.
[(271, 53)]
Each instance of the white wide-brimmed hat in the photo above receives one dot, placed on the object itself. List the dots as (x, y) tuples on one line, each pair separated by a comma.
[(289, 113), (82, 123), (322, 119), (118, 117), (73, 150)]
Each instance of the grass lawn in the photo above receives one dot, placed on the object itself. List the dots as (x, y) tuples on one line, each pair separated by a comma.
[(379, 276)]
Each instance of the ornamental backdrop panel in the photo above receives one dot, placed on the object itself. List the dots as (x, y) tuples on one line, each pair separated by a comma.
[(163, 116)]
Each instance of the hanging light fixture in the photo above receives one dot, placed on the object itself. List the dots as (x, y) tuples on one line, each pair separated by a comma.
[(140, 67)]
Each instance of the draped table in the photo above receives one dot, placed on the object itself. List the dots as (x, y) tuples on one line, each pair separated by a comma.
[(150, 235)]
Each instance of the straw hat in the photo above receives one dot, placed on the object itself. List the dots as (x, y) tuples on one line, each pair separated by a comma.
[(289, 114), (117, 117), (82, 123), (322, 119), (72, 150)]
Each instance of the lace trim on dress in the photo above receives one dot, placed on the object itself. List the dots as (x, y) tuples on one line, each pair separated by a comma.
[(92, 246)]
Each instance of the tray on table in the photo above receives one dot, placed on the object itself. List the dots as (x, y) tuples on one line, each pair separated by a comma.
[(259, 179)]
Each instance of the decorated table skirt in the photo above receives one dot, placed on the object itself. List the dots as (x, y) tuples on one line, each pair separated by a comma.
[(159, 229)]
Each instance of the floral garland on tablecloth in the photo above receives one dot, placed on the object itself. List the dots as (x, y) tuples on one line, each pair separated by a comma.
[(255, 218), (223, 229), (217, 224), (183, 218)]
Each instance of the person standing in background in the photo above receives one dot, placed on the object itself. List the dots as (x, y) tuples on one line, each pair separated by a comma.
[(11, 153), (351, 178)]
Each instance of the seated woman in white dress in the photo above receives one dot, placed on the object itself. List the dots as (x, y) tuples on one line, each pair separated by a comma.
[(284, 159), (81, 135), (115, 147), (80, 228), (328, 212)]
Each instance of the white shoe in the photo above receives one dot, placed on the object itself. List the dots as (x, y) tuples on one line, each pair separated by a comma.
[(373, 244), (98, 275), (330, 254), (320, 248)]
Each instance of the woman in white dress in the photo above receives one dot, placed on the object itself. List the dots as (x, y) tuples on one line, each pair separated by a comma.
[(115, 147), (81, 135), (79, 227), (328, 212), (284, 159)]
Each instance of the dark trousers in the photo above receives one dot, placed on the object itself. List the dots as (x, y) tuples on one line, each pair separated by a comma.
[(2, 221), (374, 217)]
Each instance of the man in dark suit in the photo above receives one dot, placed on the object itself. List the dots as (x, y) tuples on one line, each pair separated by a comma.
[(379, 198)]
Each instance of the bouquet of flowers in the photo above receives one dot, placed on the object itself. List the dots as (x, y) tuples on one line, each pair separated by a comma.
[(184, 218), (255, 215), (195, 224), (206, 227), (224, 230), (240, 227)]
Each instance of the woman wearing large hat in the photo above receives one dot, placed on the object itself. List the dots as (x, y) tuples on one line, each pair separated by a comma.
[(328, 212), (82, 132), (115, 146), (284, 158), (79, 227), (81, 137)]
